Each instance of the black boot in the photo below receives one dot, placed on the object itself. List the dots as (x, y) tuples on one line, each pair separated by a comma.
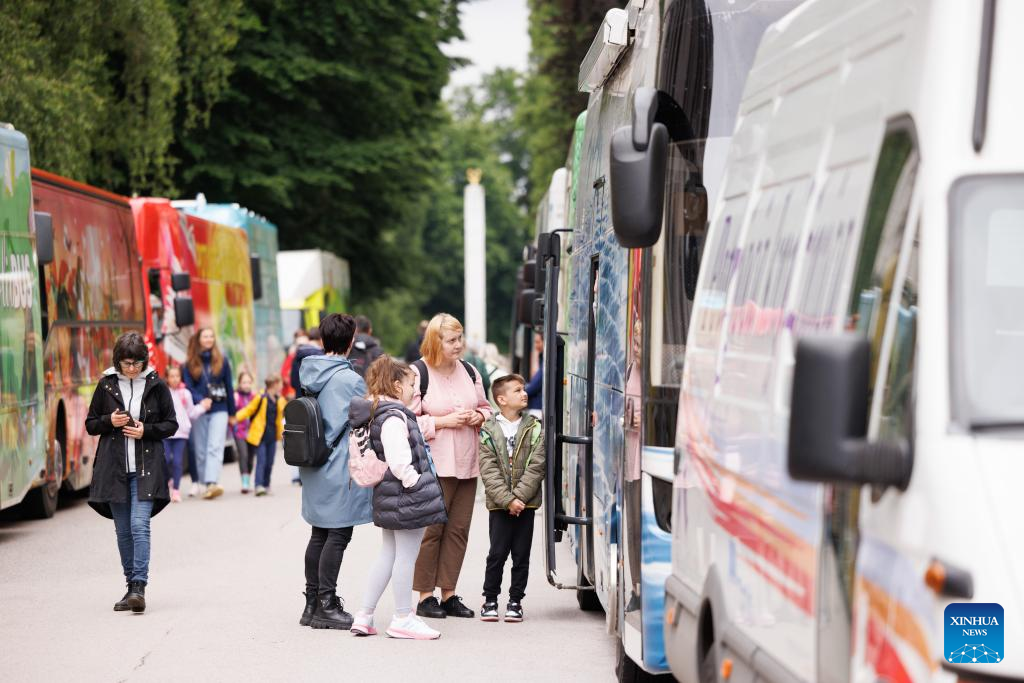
[(136, 597), (330, 613), (122, 604), (310, 608)]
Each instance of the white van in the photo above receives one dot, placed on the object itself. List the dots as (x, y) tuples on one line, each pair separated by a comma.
[(862, 289)]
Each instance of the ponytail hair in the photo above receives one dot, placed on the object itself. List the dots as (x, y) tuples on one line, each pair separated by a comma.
[(381, 377)]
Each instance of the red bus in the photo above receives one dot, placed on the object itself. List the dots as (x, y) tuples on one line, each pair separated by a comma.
[(92, 292)]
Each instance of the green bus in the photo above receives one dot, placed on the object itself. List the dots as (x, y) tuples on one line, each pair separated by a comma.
[(23, 452)]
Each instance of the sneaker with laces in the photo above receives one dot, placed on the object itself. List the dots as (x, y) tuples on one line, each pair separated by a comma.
[(411, 627), (246, 483), (454, 607), (261, 490), (514, 611), (362, 625), (213, 490), (489, 611)]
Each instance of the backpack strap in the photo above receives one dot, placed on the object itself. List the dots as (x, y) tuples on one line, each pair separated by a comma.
[(425, 377)]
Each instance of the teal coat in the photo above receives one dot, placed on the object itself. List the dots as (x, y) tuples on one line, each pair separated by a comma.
[(330, 500)]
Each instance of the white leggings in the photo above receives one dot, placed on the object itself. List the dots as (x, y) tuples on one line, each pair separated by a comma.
[(395, 563)]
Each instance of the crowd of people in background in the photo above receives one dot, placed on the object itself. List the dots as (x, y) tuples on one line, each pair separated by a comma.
[(436, 423)]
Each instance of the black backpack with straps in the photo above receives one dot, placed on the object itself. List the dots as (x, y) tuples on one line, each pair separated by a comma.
[(305, 437), (421, 366)]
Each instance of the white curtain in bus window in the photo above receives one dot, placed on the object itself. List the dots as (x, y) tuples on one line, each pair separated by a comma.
[(988, 300)]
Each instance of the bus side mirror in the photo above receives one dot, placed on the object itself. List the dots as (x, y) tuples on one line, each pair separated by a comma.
[(180, 282), (524, 307), (637, 168), (184, 312), (44, 238), (537, 313), (257, 281), (153, 279), (829, 417), (529, 273)]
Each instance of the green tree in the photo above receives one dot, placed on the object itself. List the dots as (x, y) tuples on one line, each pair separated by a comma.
[(561, 32), (103, 87)]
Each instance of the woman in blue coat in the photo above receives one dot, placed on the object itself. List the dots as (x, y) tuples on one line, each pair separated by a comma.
[(331, 503)]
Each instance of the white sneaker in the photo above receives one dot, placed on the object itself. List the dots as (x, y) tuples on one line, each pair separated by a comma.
[(411, 627), (363, 624), (194, 491)]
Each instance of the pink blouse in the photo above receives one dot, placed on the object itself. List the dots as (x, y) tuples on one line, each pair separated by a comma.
[(455, 450)]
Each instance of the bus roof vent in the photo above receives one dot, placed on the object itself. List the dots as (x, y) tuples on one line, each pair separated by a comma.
[(609, 45)]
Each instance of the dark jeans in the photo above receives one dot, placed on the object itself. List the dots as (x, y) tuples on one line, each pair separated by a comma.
[(131, 522), (265, 453), (193, 469), (246, 453), (174, 453), (324, 553), (509, 535)]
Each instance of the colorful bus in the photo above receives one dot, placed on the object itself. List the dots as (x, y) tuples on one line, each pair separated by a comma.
[(216, 259), (312, 284), (664, 82), (24, 456), (93, 293), (270, 350)]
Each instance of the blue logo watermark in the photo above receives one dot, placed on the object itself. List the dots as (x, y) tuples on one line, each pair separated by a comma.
[(974, 633)]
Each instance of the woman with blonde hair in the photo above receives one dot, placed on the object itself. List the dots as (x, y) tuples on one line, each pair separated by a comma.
[(208, 376), (450, 406)]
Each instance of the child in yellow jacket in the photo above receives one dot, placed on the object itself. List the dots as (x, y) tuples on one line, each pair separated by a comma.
[(265, 439)]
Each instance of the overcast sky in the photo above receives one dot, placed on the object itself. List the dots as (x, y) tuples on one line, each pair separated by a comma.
[(496, 35)]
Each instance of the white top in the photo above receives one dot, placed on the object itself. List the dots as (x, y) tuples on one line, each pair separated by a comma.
[(509, 429), (394, 435), (131, 393)]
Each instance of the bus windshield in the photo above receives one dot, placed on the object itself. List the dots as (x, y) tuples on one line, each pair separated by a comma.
[(987, 239)]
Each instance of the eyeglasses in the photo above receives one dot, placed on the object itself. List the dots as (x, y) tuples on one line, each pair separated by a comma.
[(133, 364)]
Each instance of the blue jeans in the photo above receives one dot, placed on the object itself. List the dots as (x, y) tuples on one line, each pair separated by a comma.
[(265, 453), (174, 453), (208, 434), (131, 522)]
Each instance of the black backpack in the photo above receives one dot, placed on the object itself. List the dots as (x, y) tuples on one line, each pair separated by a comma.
[(425, 376), (305, 438)]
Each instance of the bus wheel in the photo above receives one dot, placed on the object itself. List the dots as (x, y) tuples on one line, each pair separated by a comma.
[(41, 503), (707, 661), (628, 671), (587, 600)]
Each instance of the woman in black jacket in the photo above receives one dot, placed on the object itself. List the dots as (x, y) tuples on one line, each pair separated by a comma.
[(132, 413)]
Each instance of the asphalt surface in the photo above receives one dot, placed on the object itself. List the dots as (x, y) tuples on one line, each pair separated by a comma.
[(224, 599)]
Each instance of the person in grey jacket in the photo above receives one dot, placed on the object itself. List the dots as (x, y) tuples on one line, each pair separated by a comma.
[(331, 504)]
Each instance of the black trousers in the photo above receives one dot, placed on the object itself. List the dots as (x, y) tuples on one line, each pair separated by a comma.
[(324, 553), (509, 535)]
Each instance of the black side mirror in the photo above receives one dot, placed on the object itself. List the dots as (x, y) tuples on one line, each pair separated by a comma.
[(184, 312), (180, 282), (529, 273), (524, 307), (44, 238), (153, 279), (257, 281), (828, 418), (637, 169)]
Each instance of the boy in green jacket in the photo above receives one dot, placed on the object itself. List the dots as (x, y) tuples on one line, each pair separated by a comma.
[(512, 469)]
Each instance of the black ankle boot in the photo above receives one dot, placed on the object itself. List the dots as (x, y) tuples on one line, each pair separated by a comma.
[(122, 604), (310, 608), (136, 597), (330, 613)]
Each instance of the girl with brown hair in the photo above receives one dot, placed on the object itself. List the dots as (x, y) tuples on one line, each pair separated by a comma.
[(208, 376)]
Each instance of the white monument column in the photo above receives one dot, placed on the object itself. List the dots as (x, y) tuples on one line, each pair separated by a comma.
[(475, 259)]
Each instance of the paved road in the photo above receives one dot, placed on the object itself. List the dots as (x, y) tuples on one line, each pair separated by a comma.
[(225, 597)]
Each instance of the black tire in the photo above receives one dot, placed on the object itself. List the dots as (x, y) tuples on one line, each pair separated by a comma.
[(41, 503), (628, 671), (587, 599), (707, 657)]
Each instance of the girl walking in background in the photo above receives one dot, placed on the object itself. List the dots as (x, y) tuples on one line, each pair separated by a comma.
[(185, 412), (246, 453), (263, 435), (209, 376), (406, 501)]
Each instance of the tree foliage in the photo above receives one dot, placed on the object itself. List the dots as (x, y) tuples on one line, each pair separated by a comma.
[(561, 31), (103, 88)]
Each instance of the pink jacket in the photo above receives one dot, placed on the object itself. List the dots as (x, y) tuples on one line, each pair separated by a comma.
[(184, 411), (455, 451)]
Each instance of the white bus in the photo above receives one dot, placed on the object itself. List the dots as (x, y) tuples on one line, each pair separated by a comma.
[(849, 435)]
